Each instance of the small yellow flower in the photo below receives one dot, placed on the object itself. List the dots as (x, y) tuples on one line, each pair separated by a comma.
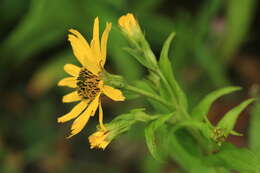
[(87, 80), (129, 24), (99, 139)]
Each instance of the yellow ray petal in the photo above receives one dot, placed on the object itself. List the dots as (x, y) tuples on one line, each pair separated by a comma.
[(69, 82), (94, 51), (74, 112), (83, 52), (113, 93), (95, 106), (99, 139), (77, 48), (104, 39), (71, 97), (82, 120), (100, 117), (96, 40), (71, 69)]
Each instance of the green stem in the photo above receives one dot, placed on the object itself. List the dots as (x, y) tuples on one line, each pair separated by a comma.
[(147, 94), (166, 83)]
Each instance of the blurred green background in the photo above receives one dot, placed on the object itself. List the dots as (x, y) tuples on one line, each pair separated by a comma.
[(217, 44)]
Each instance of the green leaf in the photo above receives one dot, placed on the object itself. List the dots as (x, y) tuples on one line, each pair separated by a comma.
[(184, 154), (233, 158), (200, 111), (151, 137), (227, 123), (147, 86), (203, 127), (254, 131), (166, 69), (164, 61), (136, 55)]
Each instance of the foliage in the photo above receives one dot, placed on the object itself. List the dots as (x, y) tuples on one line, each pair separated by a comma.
[(164, 135), (175, 123)]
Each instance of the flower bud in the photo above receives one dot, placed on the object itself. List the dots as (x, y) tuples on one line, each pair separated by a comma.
[(102, 137), (129, 25), (99, 139)]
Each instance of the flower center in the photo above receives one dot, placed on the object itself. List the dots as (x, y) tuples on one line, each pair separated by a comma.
[(87, 84)]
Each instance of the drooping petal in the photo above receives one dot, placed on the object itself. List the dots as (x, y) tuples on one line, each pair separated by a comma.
[(74, 112), (100, 117), (104, 39), (71, 69), (71, 97), (114, 94), (82, 120), (83, 52), (69, 82)]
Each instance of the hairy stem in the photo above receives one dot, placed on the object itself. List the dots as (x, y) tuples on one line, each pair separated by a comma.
[(147, 94)]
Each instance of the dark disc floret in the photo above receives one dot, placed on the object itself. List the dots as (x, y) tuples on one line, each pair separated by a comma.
[(87, 84)]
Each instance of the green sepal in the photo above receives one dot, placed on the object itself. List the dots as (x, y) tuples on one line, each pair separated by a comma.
[(113, 80), (122, 123)]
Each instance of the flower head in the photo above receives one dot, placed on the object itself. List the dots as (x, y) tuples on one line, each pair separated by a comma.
[(219, 136), (122, 123), (129, 24), (99, 139), (87, 80)]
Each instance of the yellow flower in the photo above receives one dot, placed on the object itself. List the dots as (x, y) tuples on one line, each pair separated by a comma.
[(99, 139), (87, 80), (129, 24)]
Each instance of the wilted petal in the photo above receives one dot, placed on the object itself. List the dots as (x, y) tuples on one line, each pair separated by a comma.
[(74, 112), (82, 120)]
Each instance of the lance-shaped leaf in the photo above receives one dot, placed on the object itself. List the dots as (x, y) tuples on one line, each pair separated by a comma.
[(147, 86), (227, 123), (141, 57), (150, 136), (233, 158), (166, 69), (201, 110), (205, 128), (134, 53), (185, 156)]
